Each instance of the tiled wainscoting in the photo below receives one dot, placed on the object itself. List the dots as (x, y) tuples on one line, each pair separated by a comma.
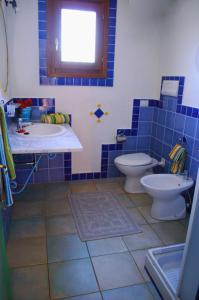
[(156, 127)]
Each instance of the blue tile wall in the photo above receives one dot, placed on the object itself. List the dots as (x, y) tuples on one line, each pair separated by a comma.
[(181, 121), (101, 82), (157, 126)]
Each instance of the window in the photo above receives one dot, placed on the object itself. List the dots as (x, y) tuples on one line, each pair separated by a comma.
[(77, 38)]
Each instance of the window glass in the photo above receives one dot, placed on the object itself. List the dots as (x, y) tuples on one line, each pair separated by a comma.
[(78, 36)]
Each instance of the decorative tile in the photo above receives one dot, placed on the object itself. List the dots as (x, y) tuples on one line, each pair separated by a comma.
[(99, 113)]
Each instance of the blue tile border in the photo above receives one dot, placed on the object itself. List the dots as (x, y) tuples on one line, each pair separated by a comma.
[(66, 81)]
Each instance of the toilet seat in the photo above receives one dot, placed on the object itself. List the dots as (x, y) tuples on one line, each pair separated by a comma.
[(134, 160)]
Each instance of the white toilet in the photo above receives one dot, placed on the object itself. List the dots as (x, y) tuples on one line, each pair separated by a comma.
[(135, 166), (165, 189)]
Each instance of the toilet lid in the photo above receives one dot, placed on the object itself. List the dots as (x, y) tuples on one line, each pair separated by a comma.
[(136, 159)]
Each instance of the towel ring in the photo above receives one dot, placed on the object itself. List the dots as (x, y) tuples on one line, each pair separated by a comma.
[(182, 140)]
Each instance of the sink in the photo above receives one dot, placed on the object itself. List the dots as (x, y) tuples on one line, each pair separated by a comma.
[(40, 130)]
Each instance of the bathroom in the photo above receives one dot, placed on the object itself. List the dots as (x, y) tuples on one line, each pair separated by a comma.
[(147, 102)]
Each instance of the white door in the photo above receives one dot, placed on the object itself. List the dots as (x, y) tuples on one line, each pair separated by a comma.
[(189, 280)]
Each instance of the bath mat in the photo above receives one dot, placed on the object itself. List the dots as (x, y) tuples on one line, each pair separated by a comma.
[(100, 215)]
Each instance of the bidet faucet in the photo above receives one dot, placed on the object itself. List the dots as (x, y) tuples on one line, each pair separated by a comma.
[(185, 174)]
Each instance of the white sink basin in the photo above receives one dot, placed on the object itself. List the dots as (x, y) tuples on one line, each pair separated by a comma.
[(40, 130)]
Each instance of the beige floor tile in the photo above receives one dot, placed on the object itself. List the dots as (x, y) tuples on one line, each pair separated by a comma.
[(141, 199), (114, 187), (124, 200), (146, 212), (30, 283), (83, 187), (57, 207), (34, 192), (65, 247), (106, 246), (116, 270), (171, 232), (144, 240), (92, 296), (61, 225), (137, 217), (31, 227), (185, 221), (27, 252), (133, 292), (140, 257), (56, 191), (27, 209), (72, 278)]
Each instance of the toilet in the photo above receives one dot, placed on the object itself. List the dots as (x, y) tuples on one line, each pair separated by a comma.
[(166, 189), (135, 166)]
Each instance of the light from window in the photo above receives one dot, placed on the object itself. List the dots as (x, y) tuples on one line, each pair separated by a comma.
[(78, 36)]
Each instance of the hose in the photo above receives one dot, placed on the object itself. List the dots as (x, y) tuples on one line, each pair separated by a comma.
[(13, 184)]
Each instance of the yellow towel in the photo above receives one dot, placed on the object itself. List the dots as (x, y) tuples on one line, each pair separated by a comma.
[(7, 150), (174, 151), (178, 155), (57, 118)]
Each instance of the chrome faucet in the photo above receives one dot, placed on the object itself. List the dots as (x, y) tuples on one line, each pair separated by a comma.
[(185, 174), (19, 123)]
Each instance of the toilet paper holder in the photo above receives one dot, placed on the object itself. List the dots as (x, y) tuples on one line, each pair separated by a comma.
[(121, 137)]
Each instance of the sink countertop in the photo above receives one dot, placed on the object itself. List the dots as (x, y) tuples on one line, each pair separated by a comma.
[(67, 142)]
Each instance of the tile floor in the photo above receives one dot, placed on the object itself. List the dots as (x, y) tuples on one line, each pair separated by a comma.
[(49, 261)]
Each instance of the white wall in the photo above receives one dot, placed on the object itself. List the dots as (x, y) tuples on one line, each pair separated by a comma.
[(4, 93), (180, 46), (136, 75)]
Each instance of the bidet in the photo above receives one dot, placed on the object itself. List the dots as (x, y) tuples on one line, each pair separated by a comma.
[(165, 189)]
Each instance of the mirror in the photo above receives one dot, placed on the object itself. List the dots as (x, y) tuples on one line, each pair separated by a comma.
[(3, 52)]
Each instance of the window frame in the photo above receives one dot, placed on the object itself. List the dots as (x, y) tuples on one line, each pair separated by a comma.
[(56, 68)]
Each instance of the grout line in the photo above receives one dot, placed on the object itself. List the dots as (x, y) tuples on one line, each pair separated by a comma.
[(48, 272), (94, 269)]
